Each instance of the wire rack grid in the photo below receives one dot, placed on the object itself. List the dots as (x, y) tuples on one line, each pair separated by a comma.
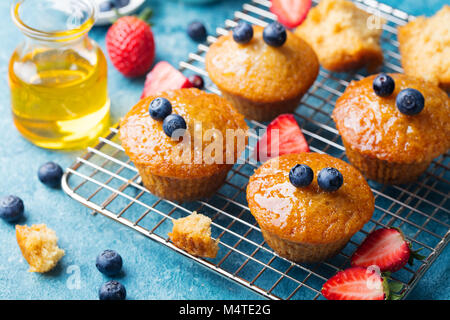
[(105, 180)]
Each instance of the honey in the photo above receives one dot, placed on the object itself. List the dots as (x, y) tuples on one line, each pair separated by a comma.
[(58, 82)]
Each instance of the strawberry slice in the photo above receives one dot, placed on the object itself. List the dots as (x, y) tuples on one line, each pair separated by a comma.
[(356, 284), (283, 136), (385, 248), (290, 13), (164, 77)]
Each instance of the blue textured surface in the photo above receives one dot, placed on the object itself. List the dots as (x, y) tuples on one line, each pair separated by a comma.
[(151, 271)]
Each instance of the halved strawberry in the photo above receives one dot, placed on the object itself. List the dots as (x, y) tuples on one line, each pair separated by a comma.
[(356, 284), (164, 77), (385, 248), (283, 136), (290, 13)]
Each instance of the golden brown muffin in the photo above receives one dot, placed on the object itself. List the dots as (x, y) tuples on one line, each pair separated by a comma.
[(39, 247), (184, 170), (262, 81), (385, 144), (193, 234), (343, 36), (308, 224), (425, 48)]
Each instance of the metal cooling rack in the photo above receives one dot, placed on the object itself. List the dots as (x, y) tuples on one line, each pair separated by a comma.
[(106, 181)]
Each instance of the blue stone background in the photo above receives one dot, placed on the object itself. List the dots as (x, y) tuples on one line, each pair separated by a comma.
[(151, 271)]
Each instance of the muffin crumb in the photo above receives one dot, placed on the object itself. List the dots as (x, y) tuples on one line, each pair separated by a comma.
[(39, 247), (425, 50), (193, 234), (343, 36)]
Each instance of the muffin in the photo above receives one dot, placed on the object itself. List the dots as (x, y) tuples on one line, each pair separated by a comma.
[(193, 234), (342, 36), (39, 247), (262, 81), (195, 165), (308, 224), (425, 48), (384, 143)]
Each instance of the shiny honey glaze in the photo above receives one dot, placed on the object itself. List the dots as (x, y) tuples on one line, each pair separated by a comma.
[(309, 214), (259, 72), (374, 126), (208, 118), (59, 96)]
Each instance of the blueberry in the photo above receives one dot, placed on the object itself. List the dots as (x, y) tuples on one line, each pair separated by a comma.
[(160, 108), (109, 262), (301, 175), (112, 290), (106, 6), (172, 123), (383, 85), (410, 102), (275, 34), (11, 208), (330, 179), (197, 81), (121, 3), (50, 174), (243, 33), (197, 31)]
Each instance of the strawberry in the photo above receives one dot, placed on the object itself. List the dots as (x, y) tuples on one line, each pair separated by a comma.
[(385, 248), (356, 284), (288, 138), (290, 13), (130, 45), (164, 77)]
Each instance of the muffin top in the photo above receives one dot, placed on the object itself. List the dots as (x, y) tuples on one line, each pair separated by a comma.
[(373, 125), (309, 214), (259, 72), (207, 116)]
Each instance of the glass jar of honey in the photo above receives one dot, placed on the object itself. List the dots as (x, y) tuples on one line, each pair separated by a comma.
[(58, 75)]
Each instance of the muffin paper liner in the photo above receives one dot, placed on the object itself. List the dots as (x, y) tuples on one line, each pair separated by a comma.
[(262, 111), (303, 252)]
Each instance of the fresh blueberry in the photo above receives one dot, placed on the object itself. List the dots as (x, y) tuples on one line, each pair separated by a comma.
[(197, 31), (410, 102), (109, 262), (112, 290), (197, 81), (301, 175), (275, 34), (383, 85), (330, 179), (172, 123), (106, 6), (121, 3), (11, 208), (160, 108), (243, 33), (50, 174)]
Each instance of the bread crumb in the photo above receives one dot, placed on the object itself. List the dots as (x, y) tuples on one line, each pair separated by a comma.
[(39, 247), (343, 36), (425, 48), (193, 234)]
